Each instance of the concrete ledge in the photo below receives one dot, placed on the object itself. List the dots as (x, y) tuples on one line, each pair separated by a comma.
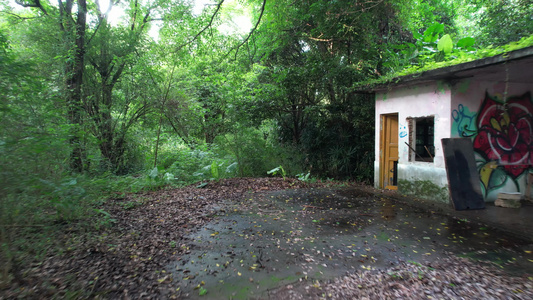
[(510, 196), (507, 203), (509, 200)]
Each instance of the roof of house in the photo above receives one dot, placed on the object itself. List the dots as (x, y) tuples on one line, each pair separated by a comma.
[(515, 67)]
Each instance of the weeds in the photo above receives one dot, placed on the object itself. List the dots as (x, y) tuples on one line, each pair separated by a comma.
[(307, 177), (278, 171)]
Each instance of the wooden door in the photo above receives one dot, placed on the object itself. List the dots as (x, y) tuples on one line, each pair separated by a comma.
[(389, 152)]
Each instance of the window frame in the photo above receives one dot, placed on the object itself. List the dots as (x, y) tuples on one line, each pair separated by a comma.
[(416, 153)]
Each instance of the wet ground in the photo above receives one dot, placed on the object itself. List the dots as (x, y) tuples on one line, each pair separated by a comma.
[(268, 240)]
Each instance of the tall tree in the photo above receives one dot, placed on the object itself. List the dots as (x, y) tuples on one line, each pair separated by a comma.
[(112, 51), (73, 29), (315, 53), (96, 56)]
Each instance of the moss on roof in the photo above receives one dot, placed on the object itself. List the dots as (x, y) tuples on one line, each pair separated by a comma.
[(416, 71)]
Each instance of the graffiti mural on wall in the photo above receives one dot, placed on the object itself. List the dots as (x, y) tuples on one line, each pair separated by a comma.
[(505, 133), (503, 137), (464, 121)]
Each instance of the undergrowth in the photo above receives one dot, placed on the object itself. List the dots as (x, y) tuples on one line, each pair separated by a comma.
[(42, 216)]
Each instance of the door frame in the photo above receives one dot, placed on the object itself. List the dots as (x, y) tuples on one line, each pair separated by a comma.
[(383, 170)]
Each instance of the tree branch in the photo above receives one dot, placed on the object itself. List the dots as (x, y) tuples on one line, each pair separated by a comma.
[(17, 16), (33, 3), (146, 18), (219, 5), (65, 11), (101, 17), (105, 14), (134, 17), (251, 31), (371, 4), (319, 40)]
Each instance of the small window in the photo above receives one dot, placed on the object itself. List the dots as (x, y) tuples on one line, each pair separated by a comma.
[(422, 139)]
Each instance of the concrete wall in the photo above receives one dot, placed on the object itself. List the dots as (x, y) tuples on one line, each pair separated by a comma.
[(415, 102), (503, 139)]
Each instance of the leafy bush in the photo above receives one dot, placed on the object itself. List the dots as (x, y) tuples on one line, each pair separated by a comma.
[(256, 153), (188, 162), (338, 140)]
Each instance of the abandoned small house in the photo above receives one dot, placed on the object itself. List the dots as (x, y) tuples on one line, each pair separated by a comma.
[(487, 102)]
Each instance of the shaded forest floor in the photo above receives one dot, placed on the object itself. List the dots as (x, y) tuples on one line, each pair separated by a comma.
[(271, 238)]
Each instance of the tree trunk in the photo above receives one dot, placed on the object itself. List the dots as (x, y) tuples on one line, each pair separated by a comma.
[(74, 81), (106, 132)]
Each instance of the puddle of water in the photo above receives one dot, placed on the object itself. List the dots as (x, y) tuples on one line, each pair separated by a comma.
[(283, 237)]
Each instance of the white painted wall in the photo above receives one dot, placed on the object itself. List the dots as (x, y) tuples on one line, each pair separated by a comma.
[(415, 102)]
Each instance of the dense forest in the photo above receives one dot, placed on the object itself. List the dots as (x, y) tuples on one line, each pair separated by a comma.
[(101, 97)]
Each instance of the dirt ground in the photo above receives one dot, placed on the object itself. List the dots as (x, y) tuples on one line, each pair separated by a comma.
[(270, 238)]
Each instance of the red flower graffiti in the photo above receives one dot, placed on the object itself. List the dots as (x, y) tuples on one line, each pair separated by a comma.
[(506, 134)]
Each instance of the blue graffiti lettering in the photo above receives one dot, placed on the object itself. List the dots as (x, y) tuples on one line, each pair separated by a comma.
[(464, 122)]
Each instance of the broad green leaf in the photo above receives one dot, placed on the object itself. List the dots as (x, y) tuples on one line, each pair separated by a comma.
[(214, 170), (153, 174), (466, 42), (431, 34), (273, 171), (445, 44)]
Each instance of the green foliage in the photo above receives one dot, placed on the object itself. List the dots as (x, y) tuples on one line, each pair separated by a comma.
[(278, 171), (429, 48), (465, 54), (445, 44), (202, 291), (157, 180), (253, 153), (198, 164), (64, 197), (104, 219), (504, 21), (306, 177), (417, 15), (466, 43), (215, 170), (481, 29), (339, 140)]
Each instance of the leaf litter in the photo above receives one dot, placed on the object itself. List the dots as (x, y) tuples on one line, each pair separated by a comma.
[(273, 238)]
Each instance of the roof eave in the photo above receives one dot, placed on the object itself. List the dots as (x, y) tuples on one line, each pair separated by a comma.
[(449, 73)]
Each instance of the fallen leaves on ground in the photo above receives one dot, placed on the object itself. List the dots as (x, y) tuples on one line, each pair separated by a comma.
[(450, 278), (153, 229), (128, 260)]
